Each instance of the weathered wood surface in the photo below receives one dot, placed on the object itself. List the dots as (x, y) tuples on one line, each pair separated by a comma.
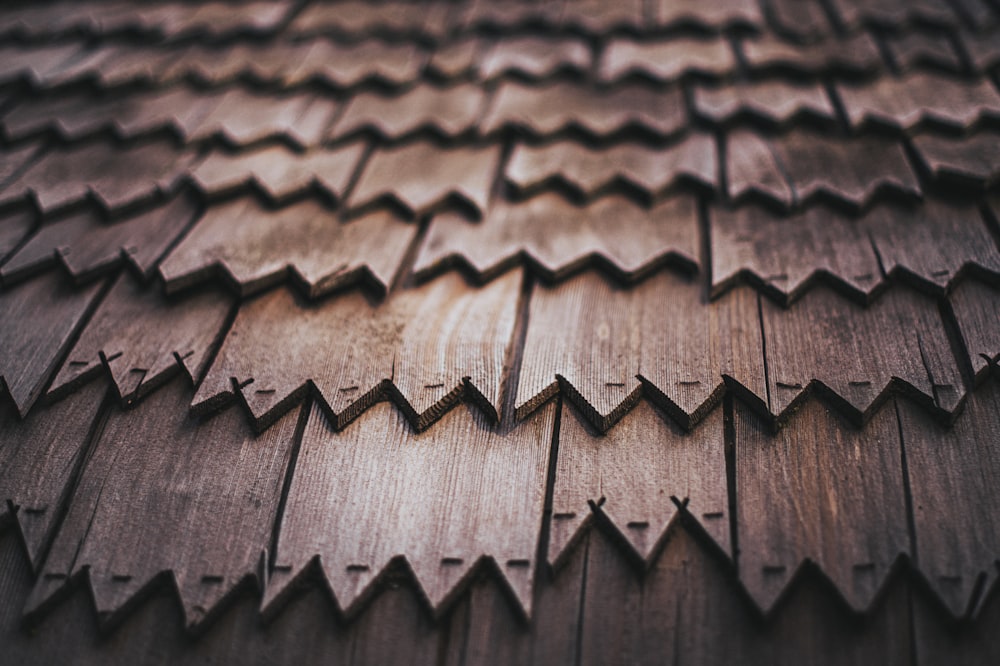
[(975, 306), (557, 238), (470, 492), (637, 476), (39, 459), (604, 345), (953, 475), (87, 245), (213, 487), (354, 351), (255, 247), (823, 491), (859, 355), (38, 320), (143, 339)]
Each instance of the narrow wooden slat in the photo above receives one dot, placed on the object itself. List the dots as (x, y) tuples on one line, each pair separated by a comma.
[(953, 477), (468, 492), (976, 310), (38, 458), (858, 355), (354, 351), (37, 322), (632, 476), (823, 491), (144, 339), (212, 487), (599, 343)]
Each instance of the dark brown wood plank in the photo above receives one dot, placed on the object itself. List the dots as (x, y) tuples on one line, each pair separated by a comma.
[(469, 492), (786, 255), (163, 493), (634, 476), (561, 106), (354, 351), (143, 339), (421, 178), (823, 491), (557, 238), (447, 112), (603, 345), (953, 475), (14, 227), (858, 355), (39, 457), (968, 162), (771, 102), (589, 172), (256, 247), (278, 171), (87, 245), (853, 55), (920, 98), (113, 176), (38, 320), (977, 311)]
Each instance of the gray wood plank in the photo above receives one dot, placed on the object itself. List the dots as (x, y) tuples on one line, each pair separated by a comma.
[(469, 492), (38, 320), (39, 457), (635, 475), (556, 238), (354, 351), (255, 247), (14, 227), (143, 339), (163, 493), (953, 477), (811, 492), (859, 355), (604, 345)]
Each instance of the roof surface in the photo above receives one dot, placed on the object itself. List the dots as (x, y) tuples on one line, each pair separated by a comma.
[(500, 332)]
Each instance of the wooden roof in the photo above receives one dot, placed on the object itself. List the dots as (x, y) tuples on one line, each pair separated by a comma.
[(441, 331)]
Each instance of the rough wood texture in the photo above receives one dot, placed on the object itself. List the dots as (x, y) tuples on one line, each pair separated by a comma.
[(636, 476), (557, 239), (858, 355), (445, 112), (603, 346), (155, 471), (977, 311), (560, 107), (14, 227), (791, 505), (968, 162), (953, 476), (113, 177), (354, 351), (254, 247), (919, 99), (420, 178), (38, 320), (143, 339), (278, 172), (588, 172), (39, 457), (785, 256), (771, 102), (470, 492), (87, 245)]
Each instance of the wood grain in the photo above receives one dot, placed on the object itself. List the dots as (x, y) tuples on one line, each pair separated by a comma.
[(953, 476), (142, 339), (603, 346), (470, 492), (975, 307), (39, 457), (38, 320), (354, 351), (556, 238), (859, 355), (636, 476), (823, 491), (212, 486)]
